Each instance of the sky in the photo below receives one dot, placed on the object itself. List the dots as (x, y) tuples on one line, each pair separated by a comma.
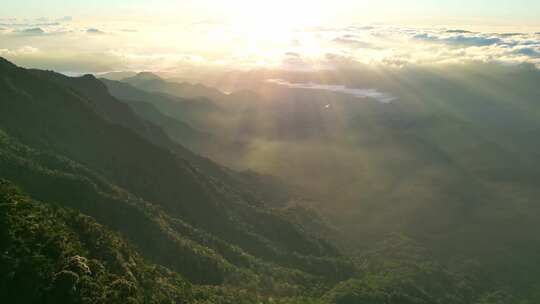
[(490, 12), (163, 35)]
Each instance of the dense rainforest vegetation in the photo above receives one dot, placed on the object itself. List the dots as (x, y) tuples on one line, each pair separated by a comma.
[(101, 203)]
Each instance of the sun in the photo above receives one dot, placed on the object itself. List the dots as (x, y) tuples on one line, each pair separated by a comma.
[(274, 18)]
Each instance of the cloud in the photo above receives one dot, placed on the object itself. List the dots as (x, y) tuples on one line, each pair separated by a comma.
[(510, 34), (355, 92), (133, 60), (65, 19), (527, 51), (460, 40), (472, 40), (393, 46), (65, 62), (526, 42), (32, 31), (360, 28), (26, 31), (304, 50), (95, 31), (25, 23), (293, 54), (354, 41), (25, 50), (338, 59), (294, 61), (458, 31)]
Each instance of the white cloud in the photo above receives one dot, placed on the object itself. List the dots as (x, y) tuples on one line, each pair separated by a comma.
[(355, 92), (354, 41), (400, 46), (25, 50)]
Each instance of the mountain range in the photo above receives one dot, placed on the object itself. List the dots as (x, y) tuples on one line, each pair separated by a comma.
[(105, 197)]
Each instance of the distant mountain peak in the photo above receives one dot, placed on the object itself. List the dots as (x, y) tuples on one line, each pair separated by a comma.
[(89, 77), (4, 63), (146, 76)]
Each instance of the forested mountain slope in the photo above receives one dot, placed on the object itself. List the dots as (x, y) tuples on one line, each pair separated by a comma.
[(60, 121), (98, 205)]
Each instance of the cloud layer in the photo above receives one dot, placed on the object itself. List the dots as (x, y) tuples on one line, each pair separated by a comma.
[(401, 46), (58, 42)]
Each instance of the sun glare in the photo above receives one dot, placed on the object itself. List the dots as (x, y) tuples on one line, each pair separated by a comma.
[(267, 29), (274, 18)]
